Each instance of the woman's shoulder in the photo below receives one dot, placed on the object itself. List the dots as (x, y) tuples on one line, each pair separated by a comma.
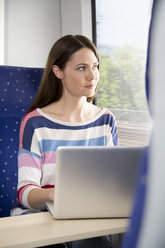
[(106, 112), (30, 116), (108, 117)]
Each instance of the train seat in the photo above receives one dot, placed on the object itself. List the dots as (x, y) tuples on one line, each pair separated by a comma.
[(18, 86)]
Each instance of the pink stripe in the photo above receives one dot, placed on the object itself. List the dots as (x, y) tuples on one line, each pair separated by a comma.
[(107, 112), (23, 124), (49, 157), (25, 160)]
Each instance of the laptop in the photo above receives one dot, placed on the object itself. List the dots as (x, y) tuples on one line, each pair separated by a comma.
[(95, 182)]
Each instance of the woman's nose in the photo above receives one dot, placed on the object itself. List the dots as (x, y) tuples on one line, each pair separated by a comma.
[(90, 74)]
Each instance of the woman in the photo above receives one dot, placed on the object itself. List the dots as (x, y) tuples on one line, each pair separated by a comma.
[(61, 114)]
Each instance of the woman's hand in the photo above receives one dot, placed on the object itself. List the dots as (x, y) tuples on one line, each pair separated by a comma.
[(51, 195), (37, 197)]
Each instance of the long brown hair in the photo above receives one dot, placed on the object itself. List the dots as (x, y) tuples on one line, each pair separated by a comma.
[(51, 88)]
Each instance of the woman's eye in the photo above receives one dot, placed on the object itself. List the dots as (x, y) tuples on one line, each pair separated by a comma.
[(95, 66), (81, 68)]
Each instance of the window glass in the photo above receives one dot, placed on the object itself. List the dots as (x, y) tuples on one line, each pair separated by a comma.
[(122, 36)]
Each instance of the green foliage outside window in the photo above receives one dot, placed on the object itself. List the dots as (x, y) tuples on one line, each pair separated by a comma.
[(122, 78)]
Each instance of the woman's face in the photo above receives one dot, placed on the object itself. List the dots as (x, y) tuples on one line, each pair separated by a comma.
[(81, 74)]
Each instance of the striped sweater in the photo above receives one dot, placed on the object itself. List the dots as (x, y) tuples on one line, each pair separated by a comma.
[(40, 135)]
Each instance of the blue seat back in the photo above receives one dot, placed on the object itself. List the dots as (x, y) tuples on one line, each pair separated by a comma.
[(18, 86)]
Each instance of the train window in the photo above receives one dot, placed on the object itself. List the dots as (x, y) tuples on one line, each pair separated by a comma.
[(121, 38)]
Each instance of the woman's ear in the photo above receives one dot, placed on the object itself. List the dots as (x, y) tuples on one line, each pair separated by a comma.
[(57, 71)]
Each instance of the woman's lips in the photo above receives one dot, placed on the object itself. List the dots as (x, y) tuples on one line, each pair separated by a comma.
[(90, 86)]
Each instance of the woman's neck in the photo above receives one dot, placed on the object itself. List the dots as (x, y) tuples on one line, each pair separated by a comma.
[(75, 110)]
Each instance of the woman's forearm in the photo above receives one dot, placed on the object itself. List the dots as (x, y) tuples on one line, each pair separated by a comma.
[(38, 197)]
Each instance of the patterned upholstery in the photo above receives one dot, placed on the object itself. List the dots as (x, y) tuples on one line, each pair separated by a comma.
[(18, 87)]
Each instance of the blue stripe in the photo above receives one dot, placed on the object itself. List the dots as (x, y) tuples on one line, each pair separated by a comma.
[(40, 121), (32, 154), (51, 145)]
